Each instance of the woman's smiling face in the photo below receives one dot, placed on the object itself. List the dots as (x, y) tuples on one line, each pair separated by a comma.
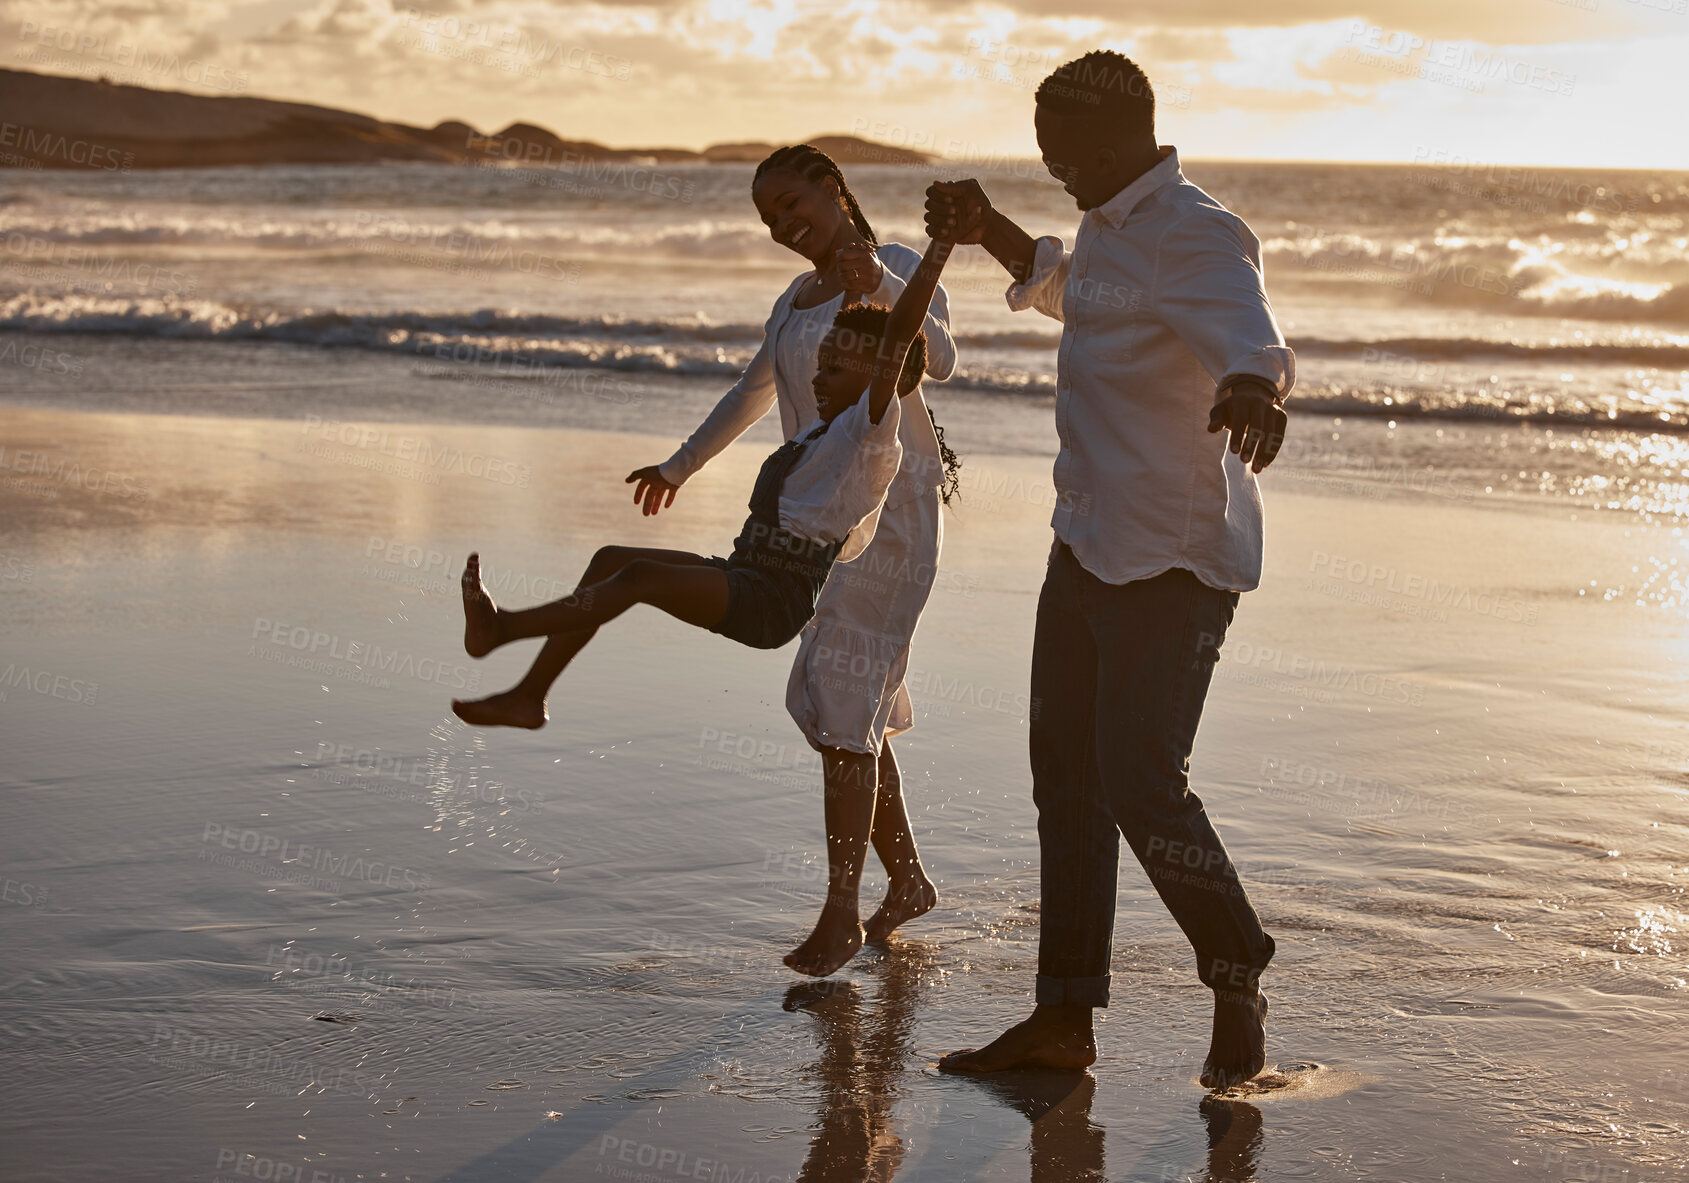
[(801, 215)]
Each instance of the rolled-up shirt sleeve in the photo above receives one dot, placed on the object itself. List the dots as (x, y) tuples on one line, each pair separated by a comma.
[(1209, 290), (749, 400), (835, 491), (1044, 287)]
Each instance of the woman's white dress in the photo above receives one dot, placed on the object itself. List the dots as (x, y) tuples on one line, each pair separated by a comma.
[(847, 685)]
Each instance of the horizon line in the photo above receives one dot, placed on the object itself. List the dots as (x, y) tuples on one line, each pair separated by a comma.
[(1468, 164)]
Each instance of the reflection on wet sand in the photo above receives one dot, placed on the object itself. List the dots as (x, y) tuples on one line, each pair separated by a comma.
[(865, 1049), (863, 1052), (1234, 1139), (1066, 1144)]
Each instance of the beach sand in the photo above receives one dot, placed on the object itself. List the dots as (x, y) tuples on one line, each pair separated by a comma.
[(270, 910)]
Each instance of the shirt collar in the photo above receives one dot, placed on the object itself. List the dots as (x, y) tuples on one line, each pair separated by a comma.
[(1116, 209)]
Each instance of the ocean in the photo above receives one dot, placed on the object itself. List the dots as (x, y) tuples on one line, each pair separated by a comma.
[(1553, 302)]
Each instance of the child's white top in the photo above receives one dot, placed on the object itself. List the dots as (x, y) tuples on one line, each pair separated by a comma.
[(835, 490), (783, 367)]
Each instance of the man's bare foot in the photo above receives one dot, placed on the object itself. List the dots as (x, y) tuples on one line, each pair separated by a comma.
[(1238, 1050), (837, 938), (480, 614), (903, 902), (510, 709), (1054, 1037)]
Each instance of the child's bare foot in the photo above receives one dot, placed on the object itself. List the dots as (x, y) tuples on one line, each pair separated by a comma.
[(1238, 1050), (480, 614), (837, 938), (510, 709), (903, 902), (1054, 1037)]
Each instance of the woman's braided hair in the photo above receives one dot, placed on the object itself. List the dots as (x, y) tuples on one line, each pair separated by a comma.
[(811, 163)]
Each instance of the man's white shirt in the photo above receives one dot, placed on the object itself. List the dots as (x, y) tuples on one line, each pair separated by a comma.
[(1163, 302)]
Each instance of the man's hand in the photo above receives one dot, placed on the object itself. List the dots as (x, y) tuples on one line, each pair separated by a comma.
[(956, 211), (860, 272), (1252, 412), (651, 490)]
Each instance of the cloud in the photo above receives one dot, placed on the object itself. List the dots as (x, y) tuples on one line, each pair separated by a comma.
[(935, 72)]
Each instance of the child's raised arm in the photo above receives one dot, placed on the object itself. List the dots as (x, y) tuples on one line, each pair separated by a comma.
[(907, 317)]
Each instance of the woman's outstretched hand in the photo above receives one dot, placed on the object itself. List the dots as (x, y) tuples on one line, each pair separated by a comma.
[(860, 272), (653, 490)]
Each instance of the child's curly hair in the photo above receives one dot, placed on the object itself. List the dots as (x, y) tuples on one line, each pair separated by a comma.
[(868, 322)]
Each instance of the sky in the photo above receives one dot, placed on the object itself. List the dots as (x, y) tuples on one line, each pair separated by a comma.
[(1569, 83)]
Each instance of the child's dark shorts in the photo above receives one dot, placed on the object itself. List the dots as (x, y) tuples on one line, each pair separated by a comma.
[(767, 603)]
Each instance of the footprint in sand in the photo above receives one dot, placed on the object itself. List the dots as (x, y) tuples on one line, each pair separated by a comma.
[(1304, 1080)]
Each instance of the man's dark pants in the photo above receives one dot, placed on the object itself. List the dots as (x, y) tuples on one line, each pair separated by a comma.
[(1119, 674)]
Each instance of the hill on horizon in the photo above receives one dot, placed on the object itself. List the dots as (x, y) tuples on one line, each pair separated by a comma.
[(57, 121)]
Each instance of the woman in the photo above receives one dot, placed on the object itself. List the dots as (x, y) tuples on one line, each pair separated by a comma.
[(846, 691)]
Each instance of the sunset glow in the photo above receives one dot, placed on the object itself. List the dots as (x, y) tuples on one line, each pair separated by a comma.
[(1577, 83)]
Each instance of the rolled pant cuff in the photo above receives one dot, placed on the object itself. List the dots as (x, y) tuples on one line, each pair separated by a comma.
[(1072, 991)]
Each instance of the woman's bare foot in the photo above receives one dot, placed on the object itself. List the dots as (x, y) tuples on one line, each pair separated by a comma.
[(1054, 1037), (837, 938), (510, 709), (1238, 1050), (480, 614), (903, 902)]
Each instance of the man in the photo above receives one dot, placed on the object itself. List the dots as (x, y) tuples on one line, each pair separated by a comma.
[(1169, 339)]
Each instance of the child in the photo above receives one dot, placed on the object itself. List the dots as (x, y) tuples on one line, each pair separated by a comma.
[(816, 500)]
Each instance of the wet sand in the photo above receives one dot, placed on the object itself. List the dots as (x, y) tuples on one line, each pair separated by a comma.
[(270, 911)]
